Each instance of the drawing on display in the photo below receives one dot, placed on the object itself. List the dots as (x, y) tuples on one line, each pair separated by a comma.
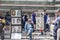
[(16, 20), (16, 13), (16, 29), (13, 13)]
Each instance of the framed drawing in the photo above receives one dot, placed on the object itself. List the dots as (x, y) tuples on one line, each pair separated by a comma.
[(13, 13), (16, 29), (16, 13), (16, 20)]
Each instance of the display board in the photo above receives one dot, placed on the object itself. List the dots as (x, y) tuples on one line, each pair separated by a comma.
[(16, 19), (7, 26), (16, 23), (39, 20)]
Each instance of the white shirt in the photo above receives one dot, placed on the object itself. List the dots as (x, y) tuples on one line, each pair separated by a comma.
[(48, 20)]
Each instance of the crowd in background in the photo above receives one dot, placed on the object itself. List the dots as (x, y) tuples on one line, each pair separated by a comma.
[(4, 21), (29, 24)]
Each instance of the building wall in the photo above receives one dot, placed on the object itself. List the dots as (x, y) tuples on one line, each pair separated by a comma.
[(28, 0)]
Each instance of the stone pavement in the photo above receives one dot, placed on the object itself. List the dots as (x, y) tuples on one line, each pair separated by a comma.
[(37, 36), (11, 39), (27, 39)]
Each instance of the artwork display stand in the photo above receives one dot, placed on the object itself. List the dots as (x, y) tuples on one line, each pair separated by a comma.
[(16, 23), (39, 20)]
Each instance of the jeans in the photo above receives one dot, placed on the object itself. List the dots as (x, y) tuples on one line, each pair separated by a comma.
[(55, 32), (30, 35), (44, 27)]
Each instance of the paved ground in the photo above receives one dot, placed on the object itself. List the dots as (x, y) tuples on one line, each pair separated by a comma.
[(11, 39), (37, 36), (27, 39)]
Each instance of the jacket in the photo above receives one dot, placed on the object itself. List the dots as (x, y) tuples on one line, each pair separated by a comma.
[(28, 28)]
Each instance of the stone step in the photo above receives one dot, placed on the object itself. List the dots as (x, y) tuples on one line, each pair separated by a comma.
[(38, 37)]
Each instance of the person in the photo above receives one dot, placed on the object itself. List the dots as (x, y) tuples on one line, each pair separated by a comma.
[(45, 20), (56, 23), (33, 17), (28, 28), (24, 19), (8, 18), (1, 29), (48, 23)]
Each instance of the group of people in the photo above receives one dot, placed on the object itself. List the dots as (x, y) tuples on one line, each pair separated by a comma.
[(28, 24), (25, 18), (46, 22), (2, 28), (56, 23), (4, 21), (6, 18)]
